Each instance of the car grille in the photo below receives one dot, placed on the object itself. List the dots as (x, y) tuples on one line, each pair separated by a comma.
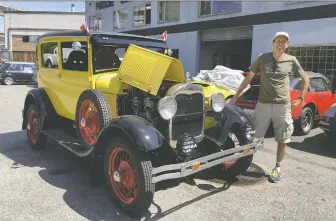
[(189, 115)]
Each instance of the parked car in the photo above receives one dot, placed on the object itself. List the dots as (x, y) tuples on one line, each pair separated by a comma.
[(316, 101), (138, 119), (20, 72), (328, 121)]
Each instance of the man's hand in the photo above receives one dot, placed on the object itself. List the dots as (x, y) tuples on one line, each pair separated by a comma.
[(296, 103), (233, 101)]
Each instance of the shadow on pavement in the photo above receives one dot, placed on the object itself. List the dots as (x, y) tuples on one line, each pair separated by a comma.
[(64, 170), (318, 144)]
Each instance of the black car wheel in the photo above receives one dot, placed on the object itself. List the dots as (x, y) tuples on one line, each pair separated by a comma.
[(238, 136), (128, 173), (305, 122), (8, 81)]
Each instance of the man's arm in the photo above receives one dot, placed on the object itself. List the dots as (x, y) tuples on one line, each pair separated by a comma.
[(255, 68), (250, 75), (299, 72)]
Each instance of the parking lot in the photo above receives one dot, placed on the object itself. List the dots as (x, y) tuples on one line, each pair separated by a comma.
[(53, 184)]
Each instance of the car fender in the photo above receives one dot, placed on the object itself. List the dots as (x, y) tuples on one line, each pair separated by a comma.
[(137, 130), (40, 98), (331, 112), (230, 116)]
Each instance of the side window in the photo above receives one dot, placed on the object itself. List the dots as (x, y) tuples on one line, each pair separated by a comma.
[(317, 85), (74, 60), (15, 67), (49, 58), (28, 69)]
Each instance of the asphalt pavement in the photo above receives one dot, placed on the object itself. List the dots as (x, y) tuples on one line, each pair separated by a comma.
[(53, 184)]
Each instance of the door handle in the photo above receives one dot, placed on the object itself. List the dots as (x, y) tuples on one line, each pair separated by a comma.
[(321, 97)]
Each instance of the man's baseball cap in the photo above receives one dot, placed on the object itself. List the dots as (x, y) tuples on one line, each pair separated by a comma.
[(281, 33)]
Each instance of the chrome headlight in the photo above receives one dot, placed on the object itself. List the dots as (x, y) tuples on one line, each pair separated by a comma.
[(217, 102), (167, 107)]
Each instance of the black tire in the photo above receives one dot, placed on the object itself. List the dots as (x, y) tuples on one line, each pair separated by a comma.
[(38, 141), (305, 123), (48, 64), (143, 178), (103, 111), (8, 80), (242, 164)]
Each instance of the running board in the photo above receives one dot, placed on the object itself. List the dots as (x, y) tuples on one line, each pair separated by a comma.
[(67, 141)]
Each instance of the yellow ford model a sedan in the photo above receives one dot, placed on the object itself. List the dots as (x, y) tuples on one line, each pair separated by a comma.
[(137, 119)]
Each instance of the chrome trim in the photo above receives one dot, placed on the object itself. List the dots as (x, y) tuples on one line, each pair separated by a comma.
[(184, 169), (186, 88), (198, 138)]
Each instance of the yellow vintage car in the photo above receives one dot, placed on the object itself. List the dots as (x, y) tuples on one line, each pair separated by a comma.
[(137, 119)]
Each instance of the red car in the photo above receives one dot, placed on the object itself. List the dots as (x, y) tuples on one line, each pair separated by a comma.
[(316, 101)]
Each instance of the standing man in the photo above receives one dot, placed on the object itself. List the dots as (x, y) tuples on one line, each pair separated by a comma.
[(274, 98)]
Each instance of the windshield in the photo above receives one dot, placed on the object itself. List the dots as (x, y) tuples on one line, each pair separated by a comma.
[(109, 57)]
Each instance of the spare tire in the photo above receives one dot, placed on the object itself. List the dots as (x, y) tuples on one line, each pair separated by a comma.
[(92, 113)]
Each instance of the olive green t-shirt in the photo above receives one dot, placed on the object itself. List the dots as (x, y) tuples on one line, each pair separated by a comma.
[(274, 76)]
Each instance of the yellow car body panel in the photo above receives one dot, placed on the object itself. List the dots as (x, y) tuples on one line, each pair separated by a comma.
[(210, 88), (145, 69)]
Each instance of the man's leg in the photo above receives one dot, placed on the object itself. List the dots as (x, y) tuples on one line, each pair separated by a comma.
[(283, 130), (262, 119)]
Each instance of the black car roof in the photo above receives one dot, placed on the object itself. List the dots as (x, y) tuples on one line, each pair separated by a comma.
[(78, 33)]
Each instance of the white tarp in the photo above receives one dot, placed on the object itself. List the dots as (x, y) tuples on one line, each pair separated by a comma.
[(223, 77)]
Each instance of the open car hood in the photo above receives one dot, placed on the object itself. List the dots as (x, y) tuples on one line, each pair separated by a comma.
[(146, 69)]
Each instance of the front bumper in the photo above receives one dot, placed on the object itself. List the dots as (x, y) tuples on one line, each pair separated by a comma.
[(194, 166)]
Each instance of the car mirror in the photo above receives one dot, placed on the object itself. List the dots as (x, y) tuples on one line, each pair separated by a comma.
[(76, 46)]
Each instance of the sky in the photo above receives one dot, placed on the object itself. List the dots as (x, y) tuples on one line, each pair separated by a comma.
[(43, 6)]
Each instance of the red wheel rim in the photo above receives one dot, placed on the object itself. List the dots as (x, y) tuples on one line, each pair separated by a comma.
[(88, 122), (32, 127), (122, 175)]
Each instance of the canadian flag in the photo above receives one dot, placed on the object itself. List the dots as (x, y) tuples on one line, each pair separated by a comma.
[(164, 36)]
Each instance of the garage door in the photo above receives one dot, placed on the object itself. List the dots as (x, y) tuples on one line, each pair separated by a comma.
[(227, 34)]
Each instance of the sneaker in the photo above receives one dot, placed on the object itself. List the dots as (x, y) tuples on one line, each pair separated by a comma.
[(274, 176)]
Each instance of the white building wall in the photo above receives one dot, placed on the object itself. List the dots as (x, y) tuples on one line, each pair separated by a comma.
[(307, 32), (41, 22)]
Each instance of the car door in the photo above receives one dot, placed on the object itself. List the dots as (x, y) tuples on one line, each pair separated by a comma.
[(15, 70), (74, 74), (27, 72), (321, 94), (48, 76)]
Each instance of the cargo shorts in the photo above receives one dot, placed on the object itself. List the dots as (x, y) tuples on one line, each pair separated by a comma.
[(281, 117)]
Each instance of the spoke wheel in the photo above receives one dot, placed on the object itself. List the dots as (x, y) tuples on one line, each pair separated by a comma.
[(32, 127), (89, 122), (306, 121), (92, 113), (123, 176), (128, 173), (36, 139)]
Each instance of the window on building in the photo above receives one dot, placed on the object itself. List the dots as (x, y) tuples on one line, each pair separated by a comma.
[(49, 55), (142, 15), (120, 18), (169, 11), (74, 60), (29, 38), (95, 23), (218, 7), (316, 58)]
